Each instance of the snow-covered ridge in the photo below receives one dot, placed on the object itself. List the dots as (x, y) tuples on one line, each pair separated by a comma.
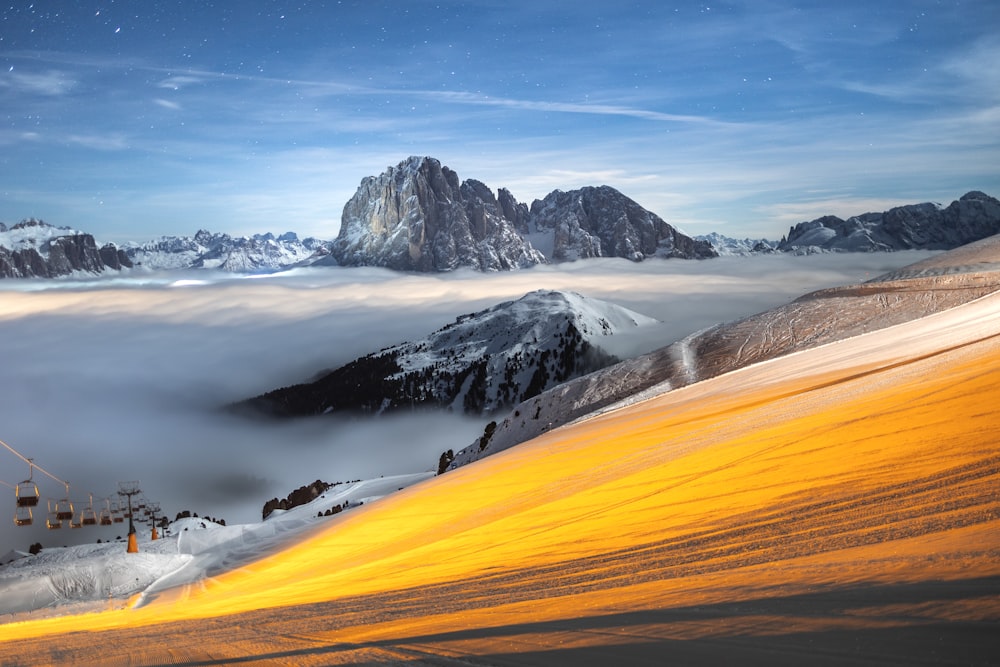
[(246, 254), (480, 363)]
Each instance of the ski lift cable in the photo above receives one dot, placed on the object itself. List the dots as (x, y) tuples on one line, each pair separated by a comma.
[(32, 464)]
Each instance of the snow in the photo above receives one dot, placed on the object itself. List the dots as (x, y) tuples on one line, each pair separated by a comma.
[(93, 577), (33, 234)]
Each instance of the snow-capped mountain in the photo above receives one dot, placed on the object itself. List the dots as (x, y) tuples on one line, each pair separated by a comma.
[(827, 316), (602, 222), (726, 246), (245, 254), (926, 226), (480, 363), (35, 249)]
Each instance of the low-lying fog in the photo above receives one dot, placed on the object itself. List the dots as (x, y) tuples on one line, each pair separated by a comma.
[(123, 378)]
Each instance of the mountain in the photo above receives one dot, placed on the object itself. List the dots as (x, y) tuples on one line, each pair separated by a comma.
[(259, 253), (602, 222), (35, 249), (924, 226), (416, 216), (479, 364), (727, 246), (826, 316)]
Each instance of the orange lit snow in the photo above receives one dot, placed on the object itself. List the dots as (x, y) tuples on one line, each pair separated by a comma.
[(840, 502)]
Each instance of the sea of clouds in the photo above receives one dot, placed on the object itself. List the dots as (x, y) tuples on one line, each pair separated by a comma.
[(127, 377)]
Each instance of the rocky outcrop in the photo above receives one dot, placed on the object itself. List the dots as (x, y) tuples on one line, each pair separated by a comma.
[(44, 251), (602, 222), (924, 226), (417, 216)]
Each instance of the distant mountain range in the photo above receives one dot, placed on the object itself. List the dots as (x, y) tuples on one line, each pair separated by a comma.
[(479, 364), (418, 216), (913, 227), (259, 253)]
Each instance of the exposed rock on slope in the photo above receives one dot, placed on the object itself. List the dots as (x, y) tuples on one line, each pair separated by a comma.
[(917, 226), (480, 363), (418, 217), (602, 222), (818, 318), (35, 249)]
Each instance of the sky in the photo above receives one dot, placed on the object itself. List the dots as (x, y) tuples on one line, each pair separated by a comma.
[(127, 378), (131, 120)]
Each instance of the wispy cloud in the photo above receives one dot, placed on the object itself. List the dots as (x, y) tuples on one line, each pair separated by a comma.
[(167, 104), (460, 97), (49, 83)]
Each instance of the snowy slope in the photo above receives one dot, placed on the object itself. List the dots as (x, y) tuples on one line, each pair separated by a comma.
[(815, 319), (64, 580)]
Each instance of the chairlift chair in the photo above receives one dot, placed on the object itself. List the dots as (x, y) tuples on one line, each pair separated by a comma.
[(27, 494), (22, 516), (105, 518), (64, 507), (88, 517), (52, 521)]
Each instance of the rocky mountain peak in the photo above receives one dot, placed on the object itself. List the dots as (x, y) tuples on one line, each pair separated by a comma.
[(418, 216), (600, 221)]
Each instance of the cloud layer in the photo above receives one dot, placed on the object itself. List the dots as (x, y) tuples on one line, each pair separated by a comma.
[(123, 379)]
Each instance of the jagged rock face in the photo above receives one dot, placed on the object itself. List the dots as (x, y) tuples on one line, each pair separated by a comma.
[(44, 251), (602, 222), (74, 253), (418, 217), (924, 226)]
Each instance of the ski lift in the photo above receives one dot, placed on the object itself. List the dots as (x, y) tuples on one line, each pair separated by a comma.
[(88, 517), (27, 491), (105, 518), (64, 507), (74, 524), (117, 515), (22, 516), (52, 522)]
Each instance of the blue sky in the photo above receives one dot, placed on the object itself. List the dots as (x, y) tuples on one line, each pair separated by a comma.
[(132, 120)]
